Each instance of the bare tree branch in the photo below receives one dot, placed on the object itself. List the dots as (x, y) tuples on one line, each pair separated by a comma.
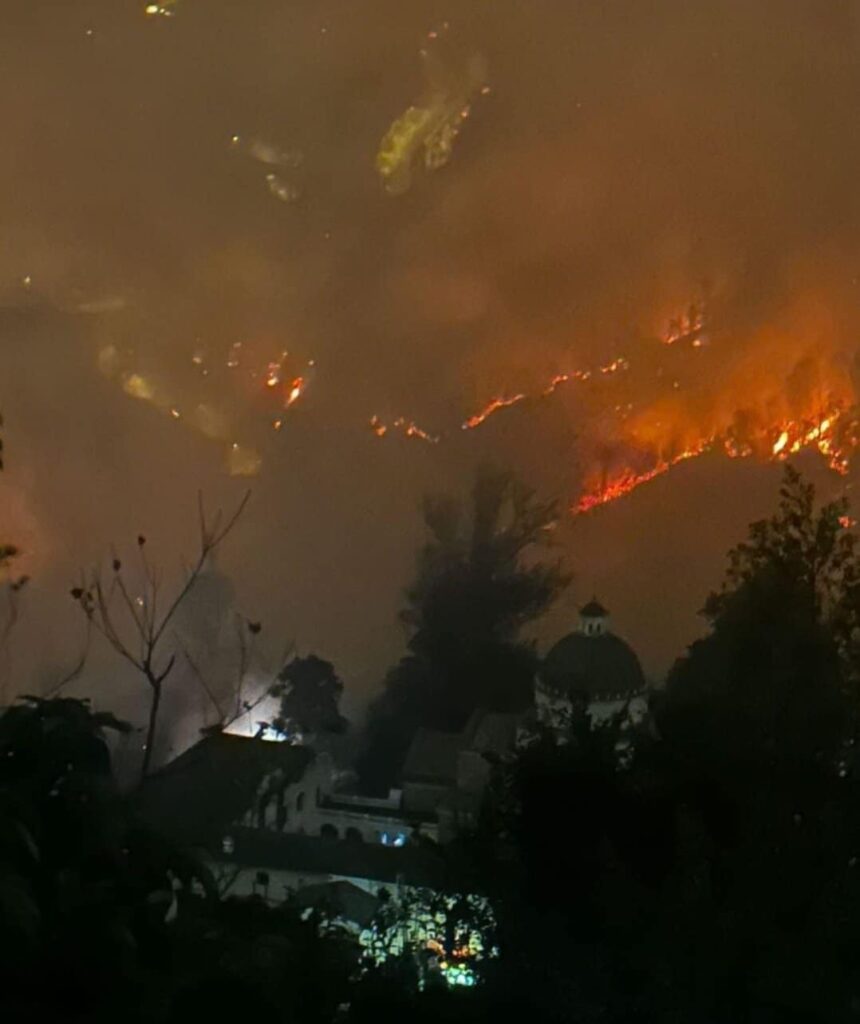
[(195, 668), (146, 627)]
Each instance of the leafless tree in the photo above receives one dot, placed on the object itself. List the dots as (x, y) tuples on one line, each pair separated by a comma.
[(241, 702), (135, 624)]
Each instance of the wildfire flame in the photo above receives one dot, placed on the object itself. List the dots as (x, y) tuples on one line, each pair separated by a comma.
[(791, 388), (406, 427), (498, 403), (492, 406)]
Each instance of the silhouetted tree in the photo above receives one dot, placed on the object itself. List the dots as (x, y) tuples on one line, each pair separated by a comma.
[(757, 722), (479, 582), (84, 890), (310, 692), (768, 683)]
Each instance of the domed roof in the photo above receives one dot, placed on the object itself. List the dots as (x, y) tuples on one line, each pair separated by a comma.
[(601, 665), (593, 610)]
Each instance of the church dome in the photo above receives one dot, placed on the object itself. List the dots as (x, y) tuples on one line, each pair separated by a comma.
[(593, 663)]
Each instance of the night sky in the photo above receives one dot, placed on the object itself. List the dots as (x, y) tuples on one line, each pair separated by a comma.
[(175, 183)]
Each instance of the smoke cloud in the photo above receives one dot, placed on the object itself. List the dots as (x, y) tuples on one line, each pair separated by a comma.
[(175, 186)]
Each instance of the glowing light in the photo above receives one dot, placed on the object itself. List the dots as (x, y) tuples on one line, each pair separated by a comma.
[(243, 461), (781, 442), (233, 357), (411, 429), (430, 127), (164, 9), (403, 426), (282, 189), (295, 392), (138, 387)]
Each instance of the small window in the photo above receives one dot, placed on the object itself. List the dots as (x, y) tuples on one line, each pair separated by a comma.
[(354, 835), (227, 844), (300, 802), (262, 878), (328, 832)]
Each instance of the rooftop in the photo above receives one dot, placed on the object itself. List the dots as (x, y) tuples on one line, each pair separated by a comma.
[(601, 665), (197, 795)]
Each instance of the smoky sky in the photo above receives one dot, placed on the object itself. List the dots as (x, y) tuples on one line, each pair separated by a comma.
[(628, 156)]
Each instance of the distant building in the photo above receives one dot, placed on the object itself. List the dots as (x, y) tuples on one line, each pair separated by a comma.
[(276, 866), (445, 774), (590, 670), (217, 800), (197, 795), (323, 802), (443, 780)]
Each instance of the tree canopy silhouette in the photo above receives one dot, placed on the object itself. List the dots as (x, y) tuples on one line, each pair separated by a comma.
[(774, 669), (310, 692), (480, 580)]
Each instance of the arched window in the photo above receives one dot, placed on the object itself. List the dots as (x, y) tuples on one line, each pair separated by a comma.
[(328, 832), (354, 835), (300, 802)]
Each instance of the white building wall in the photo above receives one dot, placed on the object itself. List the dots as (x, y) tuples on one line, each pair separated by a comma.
[(302, 808)]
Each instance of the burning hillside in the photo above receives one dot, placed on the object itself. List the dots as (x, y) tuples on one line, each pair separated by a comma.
[(670, 399)]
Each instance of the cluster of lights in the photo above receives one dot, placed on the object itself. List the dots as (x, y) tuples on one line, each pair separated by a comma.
[(446, 933), (165, 9)]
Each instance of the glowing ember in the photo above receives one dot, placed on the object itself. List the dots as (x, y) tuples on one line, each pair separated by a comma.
[(782, 441), (403, 426), (411, 429), (295, 393), (493, 406)]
